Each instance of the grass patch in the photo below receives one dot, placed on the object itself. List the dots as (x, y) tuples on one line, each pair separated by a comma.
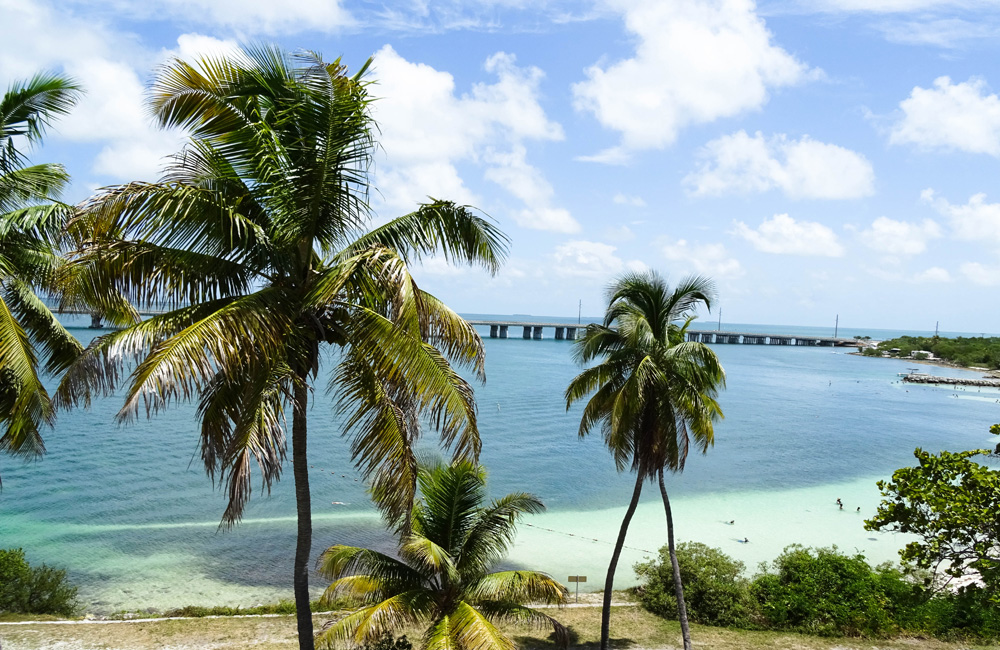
[(631, 628)]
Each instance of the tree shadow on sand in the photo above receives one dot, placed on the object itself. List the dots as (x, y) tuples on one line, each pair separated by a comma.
[(525, 642)]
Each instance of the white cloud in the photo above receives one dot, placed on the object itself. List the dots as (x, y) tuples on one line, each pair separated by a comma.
[(525, 182), (782, 235), (706, 259), (695, 61), (591, 260), (104, 62), (977, 220), (427, 130), (950, 116), (625, 199), (900, 237), (801, 168), (984, 276), (933, 274)]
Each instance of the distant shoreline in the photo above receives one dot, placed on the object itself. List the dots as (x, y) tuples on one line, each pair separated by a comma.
[(941, 363)]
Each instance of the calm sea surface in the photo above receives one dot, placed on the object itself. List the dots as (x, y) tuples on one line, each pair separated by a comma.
[(130, 513)]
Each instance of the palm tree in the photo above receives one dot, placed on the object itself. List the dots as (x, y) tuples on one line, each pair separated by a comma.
[(256, 238), (30, 223), (443, 579), (653, 393)]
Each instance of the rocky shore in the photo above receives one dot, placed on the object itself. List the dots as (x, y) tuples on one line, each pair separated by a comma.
[(920, 378)]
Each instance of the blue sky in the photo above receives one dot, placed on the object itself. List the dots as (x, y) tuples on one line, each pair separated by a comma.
[(815, 157)]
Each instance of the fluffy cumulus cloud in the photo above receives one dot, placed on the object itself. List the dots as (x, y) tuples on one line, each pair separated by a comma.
[(981, 274), (783, 235), (112, 114), (962, 116), (893, 237), (977, 220), (591, 259), (695, 61), (428, 129), (802, 169), (712, 260)]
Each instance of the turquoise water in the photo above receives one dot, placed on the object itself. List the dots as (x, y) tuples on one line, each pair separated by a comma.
[(130, 513)]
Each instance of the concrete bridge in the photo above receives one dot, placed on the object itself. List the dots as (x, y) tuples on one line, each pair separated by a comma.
[(569, 332)]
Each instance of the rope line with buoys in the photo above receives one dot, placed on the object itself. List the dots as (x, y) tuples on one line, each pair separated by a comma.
[(586, 539)]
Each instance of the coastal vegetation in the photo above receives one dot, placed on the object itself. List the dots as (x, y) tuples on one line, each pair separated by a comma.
[(443, 580), (653, 394), (26, 589), (821, 592), (952, 504), (257, 239), (964, 351), (32, 341)]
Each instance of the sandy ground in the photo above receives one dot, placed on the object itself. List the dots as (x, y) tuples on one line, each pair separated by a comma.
[(632, 629)]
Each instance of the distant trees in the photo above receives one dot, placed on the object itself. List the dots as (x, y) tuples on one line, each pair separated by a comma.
[(651, 393), (964, 351), (443, 579), (31, 221)]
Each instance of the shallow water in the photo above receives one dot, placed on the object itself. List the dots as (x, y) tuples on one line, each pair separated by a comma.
[(130, 513)]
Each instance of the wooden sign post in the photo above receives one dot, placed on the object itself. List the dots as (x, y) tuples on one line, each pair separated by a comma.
[(577, 580)]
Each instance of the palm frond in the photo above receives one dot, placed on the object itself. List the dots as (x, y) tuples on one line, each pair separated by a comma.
[(441, 227), (487, 541), (369, 623), (518, 587), (512, 613), (24, 402), (59, 347), (473, 631)]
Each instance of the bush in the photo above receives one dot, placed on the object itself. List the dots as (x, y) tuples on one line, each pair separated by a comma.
[(823, 591), (715, 590), (33, 590), (387, 642)]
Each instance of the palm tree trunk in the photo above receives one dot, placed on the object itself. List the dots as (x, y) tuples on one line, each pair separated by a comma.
[(682, 614), (610, 581), (303, 544)]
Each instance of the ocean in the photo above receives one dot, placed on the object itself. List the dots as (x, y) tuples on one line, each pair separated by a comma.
[(131, 515)]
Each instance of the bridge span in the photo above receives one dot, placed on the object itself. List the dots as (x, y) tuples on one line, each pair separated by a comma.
[(569, 332)]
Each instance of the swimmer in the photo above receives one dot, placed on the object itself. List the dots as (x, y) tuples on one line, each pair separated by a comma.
[(841, 506), (746, 541), (732, 522), (839, 502), (859, 509)]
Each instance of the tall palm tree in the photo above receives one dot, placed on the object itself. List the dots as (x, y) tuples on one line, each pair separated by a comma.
[(30, 223), (257, 240), (653, 394), (443, 578)]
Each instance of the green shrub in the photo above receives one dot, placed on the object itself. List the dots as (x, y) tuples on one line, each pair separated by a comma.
[(33, 590), (387, 642), (825, 592), (715, 590)]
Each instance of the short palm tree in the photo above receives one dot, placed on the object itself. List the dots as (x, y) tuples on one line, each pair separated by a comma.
[(653, 393), (257, 241), (443, 578), (30, 223)]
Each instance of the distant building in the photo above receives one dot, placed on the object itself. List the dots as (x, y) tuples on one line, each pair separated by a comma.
[(921, 354)]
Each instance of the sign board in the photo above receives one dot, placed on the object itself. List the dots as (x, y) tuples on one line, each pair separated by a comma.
[(577, 579)]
